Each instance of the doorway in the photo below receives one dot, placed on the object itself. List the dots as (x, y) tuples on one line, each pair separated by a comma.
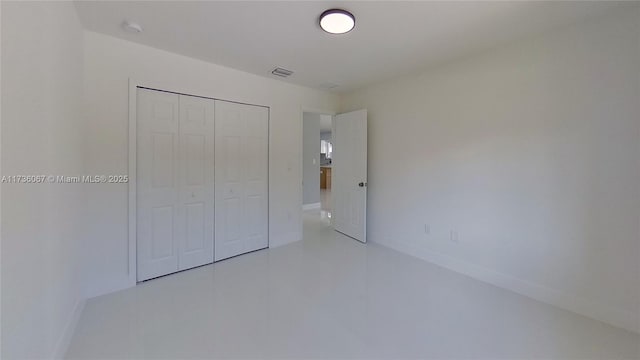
[(317, 164), (335, 170)]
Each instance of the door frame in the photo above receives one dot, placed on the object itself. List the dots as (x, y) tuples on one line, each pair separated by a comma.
[(132, 207)]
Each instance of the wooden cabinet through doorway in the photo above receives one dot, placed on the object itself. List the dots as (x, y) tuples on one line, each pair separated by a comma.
[(325, 177)]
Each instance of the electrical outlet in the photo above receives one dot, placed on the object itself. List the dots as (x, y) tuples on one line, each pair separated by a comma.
[(453, 236)]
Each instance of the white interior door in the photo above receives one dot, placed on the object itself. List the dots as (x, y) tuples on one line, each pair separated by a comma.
[(241, 178), (157, 183), (196, 182), (349, 174), (175, 207)]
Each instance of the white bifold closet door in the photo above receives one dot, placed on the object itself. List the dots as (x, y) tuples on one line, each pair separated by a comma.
[(175, 166), (241, 178)]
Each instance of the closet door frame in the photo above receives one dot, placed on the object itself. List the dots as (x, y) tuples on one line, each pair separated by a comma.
[(132, 208)]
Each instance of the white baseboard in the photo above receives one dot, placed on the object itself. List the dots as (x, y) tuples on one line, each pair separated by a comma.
[(67, 334), (311, 206), (612, 316)]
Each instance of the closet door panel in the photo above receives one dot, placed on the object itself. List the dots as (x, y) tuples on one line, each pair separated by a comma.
[(229, 186), (196, 181), (241, 179), (257, 164), (157, 184)]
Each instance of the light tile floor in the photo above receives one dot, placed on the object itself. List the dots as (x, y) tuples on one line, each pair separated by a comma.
[(325, 199), (329, 296)]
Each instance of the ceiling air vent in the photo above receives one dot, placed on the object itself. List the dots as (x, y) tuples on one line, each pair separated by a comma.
[(282, 72)]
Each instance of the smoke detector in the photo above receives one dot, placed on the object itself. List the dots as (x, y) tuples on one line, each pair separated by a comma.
[(131, 27)]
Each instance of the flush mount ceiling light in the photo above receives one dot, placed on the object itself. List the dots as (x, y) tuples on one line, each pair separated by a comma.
[(131, 27), (337, 21)]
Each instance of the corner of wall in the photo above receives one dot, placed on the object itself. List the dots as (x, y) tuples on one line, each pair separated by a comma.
[(69, 330)]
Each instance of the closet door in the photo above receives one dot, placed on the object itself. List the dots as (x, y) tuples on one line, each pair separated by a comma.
[(241, 178), (157, 183), (196, 182), (175, 167)]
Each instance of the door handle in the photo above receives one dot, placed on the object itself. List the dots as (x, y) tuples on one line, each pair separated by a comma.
[(362, 184)]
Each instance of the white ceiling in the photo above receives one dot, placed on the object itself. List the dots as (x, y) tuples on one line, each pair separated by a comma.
[(390, 38)]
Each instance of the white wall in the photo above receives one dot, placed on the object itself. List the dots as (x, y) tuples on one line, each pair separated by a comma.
[(42, 133), (532, 154), (311, 158), (109, 62)]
